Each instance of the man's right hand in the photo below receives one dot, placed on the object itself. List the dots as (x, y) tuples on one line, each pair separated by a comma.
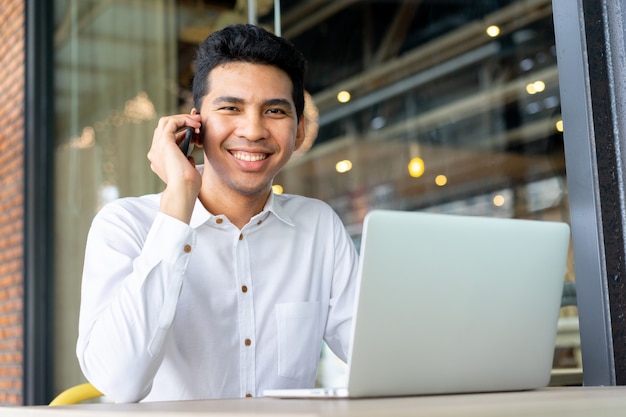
[(179, 173)]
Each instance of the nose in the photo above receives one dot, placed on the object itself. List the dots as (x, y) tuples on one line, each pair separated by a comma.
[(252, 127)]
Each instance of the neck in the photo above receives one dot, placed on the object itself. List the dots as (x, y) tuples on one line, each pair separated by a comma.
[(237, 207)]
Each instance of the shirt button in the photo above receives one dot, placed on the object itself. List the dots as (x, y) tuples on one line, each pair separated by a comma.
[(241, 236), (244, 288), (187, 248), (248, 395), (247, 342), (219, 220), (259, 222)]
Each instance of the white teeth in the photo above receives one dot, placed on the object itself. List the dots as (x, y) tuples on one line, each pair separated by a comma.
[(243, 156)]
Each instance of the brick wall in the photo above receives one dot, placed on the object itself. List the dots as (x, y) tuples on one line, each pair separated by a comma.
[(11, 198)]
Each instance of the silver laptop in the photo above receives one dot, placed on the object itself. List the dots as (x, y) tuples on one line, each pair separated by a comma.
[(452, 304)]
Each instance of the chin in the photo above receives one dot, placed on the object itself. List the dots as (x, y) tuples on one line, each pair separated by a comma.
[(252, 191)]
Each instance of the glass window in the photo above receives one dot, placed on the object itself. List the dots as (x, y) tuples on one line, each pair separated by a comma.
[(440, 106), (115, 73), (448, 107)]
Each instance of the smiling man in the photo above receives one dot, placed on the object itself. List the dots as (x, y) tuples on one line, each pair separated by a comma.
[(217, 287)]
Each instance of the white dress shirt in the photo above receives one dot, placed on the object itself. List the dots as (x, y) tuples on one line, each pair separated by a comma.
[(171, 311)]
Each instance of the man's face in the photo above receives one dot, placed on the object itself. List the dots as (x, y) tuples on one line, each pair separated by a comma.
[(249, 125)]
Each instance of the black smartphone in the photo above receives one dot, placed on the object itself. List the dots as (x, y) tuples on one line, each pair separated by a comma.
[(186, 146)]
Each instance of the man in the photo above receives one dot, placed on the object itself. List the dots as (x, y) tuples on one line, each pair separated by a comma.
[(217, 287)]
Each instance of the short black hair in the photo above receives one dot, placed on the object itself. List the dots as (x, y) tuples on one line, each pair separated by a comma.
[(253, 44)]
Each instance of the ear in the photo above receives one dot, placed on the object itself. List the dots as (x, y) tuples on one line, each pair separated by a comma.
[(198, 140), (300, 133)]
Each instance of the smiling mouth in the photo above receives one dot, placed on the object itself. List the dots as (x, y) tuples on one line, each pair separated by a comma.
[(249, 157)]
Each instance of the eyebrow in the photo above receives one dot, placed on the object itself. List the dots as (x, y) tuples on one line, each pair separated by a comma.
[(237, 100), (278, 102), (227, 99)]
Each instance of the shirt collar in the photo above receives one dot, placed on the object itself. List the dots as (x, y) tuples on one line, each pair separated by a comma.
[(274, 205), (200, 215)]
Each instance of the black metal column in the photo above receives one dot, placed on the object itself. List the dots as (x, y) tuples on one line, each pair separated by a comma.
[(38, 201)]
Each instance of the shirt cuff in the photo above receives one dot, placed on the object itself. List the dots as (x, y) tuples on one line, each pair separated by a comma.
[(168, 240)]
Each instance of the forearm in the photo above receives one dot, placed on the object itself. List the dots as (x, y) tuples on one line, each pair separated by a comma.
[(178, 201)]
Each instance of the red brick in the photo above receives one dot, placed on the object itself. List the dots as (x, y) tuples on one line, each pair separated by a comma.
[(11, 199)]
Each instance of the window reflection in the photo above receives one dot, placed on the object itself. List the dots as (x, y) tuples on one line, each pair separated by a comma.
[(468, 100)]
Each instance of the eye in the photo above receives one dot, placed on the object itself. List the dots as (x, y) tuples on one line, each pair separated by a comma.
[(276, 111)]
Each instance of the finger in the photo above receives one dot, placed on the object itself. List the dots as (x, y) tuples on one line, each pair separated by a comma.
[(180, 135)]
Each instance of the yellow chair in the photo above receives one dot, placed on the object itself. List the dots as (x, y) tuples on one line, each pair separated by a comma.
[(76, 394)]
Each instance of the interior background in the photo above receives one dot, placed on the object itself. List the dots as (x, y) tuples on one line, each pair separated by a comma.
[(476, 117)]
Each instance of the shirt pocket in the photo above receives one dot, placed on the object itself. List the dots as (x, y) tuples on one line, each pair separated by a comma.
[(298, 341)]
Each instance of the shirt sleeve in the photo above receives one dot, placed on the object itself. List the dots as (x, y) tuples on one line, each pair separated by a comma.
[(132, 278), (343, 290)]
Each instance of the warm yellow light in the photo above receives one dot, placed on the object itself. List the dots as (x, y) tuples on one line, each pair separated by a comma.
[(343, 96), (559, 125), (416, 167), (498, 200), (441, 180), (343, 166), (535, 87), (493, 31), (277, 189)]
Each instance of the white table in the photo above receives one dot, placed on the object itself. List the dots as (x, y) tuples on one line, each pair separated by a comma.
[(562, 401)]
